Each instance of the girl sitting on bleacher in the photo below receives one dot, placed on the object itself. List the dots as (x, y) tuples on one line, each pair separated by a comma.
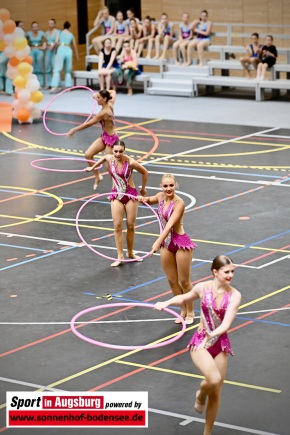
[(165, 36), (253, 57), (268, 58), (184, 36), (121, 31), (107, 21), (147, 37), (202, 29)]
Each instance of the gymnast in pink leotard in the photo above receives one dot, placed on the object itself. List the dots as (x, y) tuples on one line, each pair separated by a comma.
[(210, 345), (106, 118), (120, 166), (176, 248)]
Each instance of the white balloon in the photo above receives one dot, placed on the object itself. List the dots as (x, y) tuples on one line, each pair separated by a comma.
[(24, 95), (33, 76), (33, 85), (20, 54), (36, 113), (18, 33), (10, 51), (17, 104), (12, 72), (14, 114), (8, 39), (27, 49), (29, 106)]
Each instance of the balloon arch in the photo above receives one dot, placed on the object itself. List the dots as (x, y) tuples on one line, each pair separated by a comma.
[(19, 69)]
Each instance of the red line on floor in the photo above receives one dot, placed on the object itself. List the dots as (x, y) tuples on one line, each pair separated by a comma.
[(119, 378)]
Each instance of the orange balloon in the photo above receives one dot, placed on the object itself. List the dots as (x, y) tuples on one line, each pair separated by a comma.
[(13, 61), (28, 59), (2, 45), (4, 15), (8, 27), (23, 115)]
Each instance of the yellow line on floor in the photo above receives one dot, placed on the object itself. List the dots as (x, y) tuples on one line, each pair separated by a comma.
[(150, 121), (191, 375), (118, 358)]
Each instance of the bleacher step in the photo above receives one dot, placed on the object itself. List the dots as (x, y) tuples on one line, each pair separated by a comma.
[(193, 70), (169, 91), (172, 84)]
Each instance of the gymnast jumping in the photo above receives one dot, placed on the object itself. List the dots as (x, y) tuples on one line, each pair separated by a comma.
[(120, 166), (210, 345), (106, 118), (175, 245)]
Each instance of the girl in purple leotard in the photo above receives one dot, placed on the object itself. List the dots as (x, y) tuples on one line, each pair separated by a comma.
[(175, 245), (120, 167), (105, 117), (210, 345)]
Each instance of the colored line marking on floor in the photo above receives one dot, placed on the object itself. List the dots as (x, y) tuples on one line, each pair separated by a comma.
[(27, 384), (213, 242), (191, 375), (187, 419)]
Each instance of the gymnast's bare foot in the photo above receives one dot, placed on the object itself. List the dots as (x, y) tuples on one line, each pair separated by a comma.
[(198, 406), (117, 262), (134, 257), (96, 183)]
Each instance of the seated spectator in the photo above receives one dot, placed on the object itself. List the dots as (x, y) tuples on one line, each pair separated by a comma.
[(202, 29), (254, 51), (121, 31), (20, 24), (164, 36), (129, 67), (135, 32), (184, 36), (107, 21), (130, 16), (107, 64), (268, 57), (147, 37)]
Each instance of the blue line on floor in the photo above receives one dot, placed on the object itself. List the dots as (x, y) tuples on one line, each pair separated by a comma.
[(202, 262), (22, 247), (37, 258), (263, 321)]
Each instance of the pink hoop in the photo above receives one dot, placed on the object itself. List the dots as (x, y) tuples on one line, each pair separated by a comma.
[(54, 98), (62, 158), (114, 346), (97, 252)]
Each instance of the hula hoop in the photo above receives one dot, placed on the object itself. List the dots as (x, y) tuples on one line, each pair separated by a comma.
[(97, 252), (54, 98), (115, 346), (61, 158)]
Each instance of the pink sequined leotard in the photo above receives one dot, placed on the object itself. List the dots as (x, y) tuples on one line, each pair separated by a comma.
[(107, 139), (121, 182), (173, 241), (212, 316)]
